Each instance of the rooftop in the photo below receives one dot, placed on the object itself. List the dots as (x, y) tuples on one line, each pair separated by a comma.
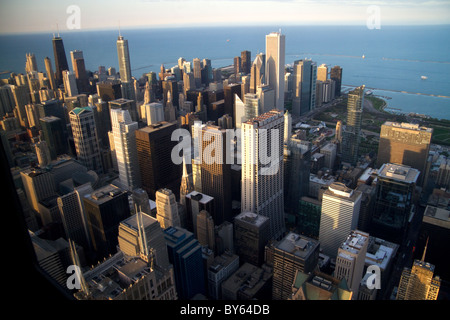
[(355, 241), (104, 194), (405, 125), (298, 245), (265, 117), (251, 218), (399, 172)]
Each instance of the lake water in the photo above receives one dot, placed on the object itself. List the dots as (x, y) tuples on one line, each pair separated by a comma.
[(394, 60)]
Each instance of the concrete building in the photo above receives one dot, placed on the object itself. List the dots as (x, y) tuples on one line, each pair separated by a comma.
[(262, 184), (221, 268), (294, 252), (405, 143), (167, 209), (251, 234), (351, 258), (340, 213), (247, 283)]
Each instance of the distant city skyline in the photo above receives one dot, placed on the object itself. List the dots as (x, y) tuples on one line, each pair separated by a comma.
[(32, 16)]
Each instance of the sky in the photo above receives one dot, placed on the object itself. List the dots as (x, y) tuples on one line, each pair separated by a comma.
[(25, 16)]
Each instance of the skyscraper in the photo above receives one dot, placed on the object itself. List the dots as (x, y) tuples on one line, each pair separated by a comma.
[(246, 61), (351, 258), (185, 253), (196, 202), (336, 75), (351, 135), (418, 282), (31, 64), (105, 209), (125, 104), (123, 55), (154, 148), (216, 171), (205, 230), (395, 199), (79, 69), (85, 138), (124, 131), (60, 59), (322, 72), (274, 68), (340, 213), (304, 87), (294, 252), (53, 133), (262, 180), (50, 74), (257, 72), (251, 234), (405, 143), (70, 84), (167, 209)]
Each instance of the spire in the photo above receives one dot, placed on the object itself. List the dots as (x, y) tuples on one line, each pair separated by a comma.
[(425, 250)]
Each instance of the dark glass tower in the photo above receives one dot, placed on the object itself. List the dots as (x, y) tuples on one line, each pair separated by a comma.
[(60, 59), (246, 62), (53, 133), (351, 136), (336, 75)]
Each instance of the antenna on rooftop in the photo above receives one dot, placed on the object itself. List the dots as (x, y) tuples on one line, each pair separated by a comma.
[(425, 250), (119, 30), (57, 29)]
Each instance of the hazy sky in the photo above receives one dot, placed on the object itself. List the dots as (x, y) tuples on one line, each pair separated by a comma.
[(45, 15)]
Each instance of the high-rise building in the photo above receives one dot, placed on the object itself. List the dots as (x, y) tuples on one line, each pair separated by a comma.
[(123, 55), (73, 215), (195, 203), (38, 184), (187, 183), (205, 230), (79, 69), (31, 64), (221, 268), (216, 171), (42, 153), (85, 138), (185, 253), (197, 70), (105, 209), (70, 83), (251, 234), (140, 233), (122, 277), (257, 72), (246, 61), (340, 213), (237, 66), (418, 282), (167, 209), (297, 164), (304, 87), (351, 258), (50, 73), (124, 132), (322, 72), (274, 68), (125, 104), (60, 59), (294, 252), (262, 178), (229, 91), (53, 133), (405, 143), (351, 135), (108, 91), (336, 75), (154, 148), (395, 202)]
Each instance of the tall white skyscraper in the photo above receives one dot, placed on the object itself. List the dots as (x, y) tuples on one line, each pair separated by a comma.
[(85, 138), (154, 112), (124, 59), (340, 212), (351, 258), (167, 209), (124, 132), (262, 178), (274, 68), (70, 84)]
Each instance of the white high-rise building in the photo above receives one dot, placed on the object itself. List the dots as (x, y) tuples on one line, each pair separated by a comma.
[(124, 59), (351, 258), (262, 170), (340, 212), (167, 209), (70, 84), (85, 138), (154, 112), (287, 127), (274, 68), (124, 133)]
